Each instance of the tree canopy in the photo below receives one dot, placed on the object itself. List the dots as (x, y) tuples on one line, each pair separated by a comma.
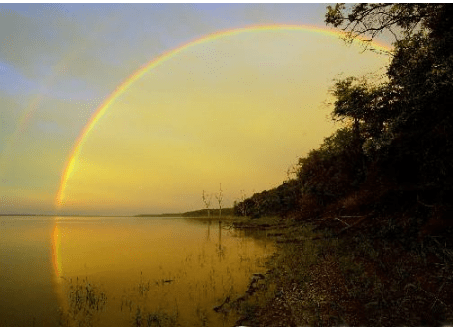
[(401, 19), (408, 120), (399, 131)]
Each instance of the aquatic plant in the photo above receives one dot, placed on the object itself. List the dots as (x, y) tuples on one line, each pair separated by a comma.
[(85, 300)]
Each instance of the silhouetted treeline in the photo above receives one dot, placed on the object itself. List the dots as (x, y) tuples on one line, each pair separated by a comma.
[(396, 148), (277, 201)]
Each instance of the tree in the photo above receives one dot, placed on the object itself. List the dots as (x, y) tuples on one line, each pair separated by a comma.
[(240, 207), (207, 202), (332, 170), (398, 134), (411, 123), (219, 198), (402, 19), (353, 101)]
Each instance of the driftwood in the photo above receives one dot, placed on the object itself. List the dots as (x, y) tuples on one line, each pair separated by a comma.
[(337, 219), (252, 288), (253, 226), (289, 241), (299, 240), (424, 204), (220, 307), (274, 234), (354, 224)]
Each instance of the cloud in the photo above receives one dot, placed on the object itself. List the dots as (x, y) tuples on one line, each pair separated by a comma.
[(13, 82), (10, 112), (58, 63), (236, 15), (26, 40), (33, 155), (52, 46), (24, 200)]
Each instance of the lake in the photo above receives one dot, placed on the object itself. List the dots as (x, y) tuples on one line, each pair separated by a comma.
[(123, 271)]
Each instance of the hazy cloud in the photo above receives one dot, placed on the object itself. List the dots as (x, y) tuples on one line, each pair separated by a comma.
[(59, 62)]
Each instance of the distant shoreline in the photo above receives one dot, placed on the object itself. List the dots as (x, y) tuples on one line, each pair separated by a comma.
[(51, 215), (194, 213)]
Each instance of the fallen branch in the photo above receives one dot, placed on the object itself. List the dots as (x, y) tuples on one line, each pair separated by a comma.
[(220, 307), (274, 234), (352, 225), (337, 219), (299, 240)]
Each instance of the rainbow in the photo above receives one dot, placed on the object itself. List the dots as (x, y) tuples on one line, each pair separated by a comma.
[(56, 247), (34, 104), (12, 141), (58, 278), (102, 109)]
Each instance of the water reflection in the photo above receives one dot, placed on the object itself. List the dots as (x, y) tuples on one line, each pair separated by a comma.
[(133, 271), (26, 272)]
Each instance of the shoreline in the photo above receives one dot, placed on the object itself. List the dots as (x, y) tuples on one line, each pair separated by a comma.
[(332, 272)]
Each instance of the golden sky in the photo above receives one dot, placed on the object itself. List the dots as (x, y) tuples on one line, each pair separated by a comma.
[(219, 107), (238, 110)]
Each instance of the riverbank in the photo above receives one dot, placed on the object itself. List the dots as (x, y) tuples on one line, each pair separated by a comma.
[(352, 270)]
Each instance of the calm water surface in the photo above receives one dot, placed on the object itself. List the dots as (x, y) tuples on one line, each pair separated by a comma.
[(120, 271)]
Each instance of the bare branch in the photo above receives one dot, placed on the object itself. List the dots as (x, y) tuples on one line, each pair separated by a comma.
[(219, 198), (207, 201)]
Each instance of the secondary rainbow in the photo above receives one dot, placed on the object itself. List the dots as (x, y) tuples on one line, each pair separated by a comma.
[(102, 109), (46, 84)]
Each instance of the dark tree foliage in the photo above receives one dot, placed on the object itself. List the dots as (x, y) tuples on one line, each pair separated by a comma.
[(406, 124), (333, 169), (401, 19), (278, 201), (398, 132)]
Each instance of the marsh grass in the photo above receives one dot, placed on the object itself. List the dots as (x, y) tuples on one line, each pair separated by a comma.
[(143, 287), (156, 318), (86, 301)]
